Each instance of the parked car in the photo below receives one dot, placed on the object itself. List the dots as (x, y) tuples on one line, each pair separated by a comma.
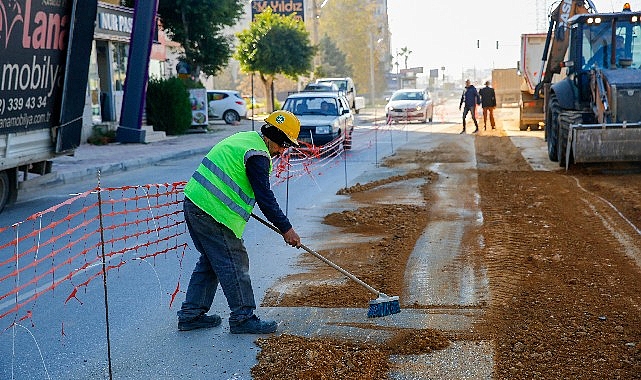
[(227, 105), (324, 117), (410, 104)]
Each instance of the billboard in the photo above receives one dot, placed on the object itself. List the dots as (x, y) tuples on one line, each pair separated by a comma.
[(33, 48), (281, 7)]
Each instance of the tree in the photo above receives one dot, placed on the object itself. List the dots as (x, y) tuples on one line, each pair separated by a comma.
[(405, 52), (197, 26), (272, 45), (350, 23), (333, 60)]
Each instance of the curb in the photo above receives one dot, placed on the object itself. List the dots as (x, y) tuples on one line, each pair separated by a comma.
[(56, 178)]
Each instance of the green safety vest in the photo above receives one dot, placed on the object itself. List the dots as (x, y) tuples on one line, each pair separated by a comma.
[(220, 186)]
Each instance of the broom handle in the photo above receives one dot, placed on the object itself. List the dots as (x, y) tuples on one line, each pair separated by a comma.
[(323, 258)]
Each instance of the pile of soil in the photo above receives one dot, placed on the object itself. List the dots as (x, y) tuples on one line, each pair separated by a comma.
[(291, 357)]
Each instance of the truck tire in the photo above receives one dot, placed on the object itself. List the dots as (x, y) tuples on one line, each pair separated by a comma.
[(5, 189), (552, 128), (565, 120)]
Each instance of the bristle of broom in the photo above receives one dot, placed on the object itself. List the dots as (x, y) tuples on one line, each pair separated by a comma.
[(383, 306)]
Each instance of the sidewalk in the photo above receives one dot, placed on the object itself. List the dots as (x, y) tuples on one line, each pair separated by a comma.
[(117, 157)]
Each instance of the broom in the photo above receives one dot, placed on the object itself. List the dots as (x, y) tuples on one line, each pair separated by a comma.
[(382, 306)]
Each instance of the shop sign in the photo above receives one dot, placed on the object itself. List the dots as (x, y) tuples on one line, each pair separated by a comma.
[(115, 21), (281, 7)]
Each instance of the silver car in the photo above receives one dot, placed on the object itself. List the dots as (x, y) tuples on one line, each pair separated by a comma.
[(410, 104), (325, 117)]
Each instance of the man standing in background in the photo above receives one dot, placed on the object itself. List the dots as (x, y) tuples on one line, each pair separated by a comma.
[(488, 102), (470, 98)]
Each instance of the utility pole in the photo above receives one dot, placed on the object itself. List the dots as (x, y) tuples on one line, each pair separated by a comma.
[(398, 76), (315, 20), (316, 13), (371, 69)]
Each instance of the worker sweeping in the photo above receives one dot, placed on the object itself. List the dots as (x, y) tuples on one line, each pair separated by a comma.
[(219, 199)]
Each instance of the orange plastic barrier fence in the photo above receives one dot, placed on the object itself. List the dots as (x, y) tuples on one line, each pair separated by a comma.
[(66, 244)]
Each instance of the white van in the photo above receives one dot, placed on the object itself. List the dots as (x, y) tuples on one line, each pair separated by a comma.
[(347, 86)]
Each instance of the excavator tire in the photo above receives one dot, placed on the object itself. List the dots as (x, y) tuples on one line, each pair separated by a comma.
[(566, 119), (552, 128)]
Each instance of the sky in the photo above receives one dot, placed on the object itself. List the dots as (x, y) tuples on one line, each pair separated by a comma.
[(445, 33)]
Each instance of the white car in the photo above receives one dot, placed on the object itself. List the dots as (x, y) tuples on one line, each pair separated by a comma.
[(410, 104), (226, 105), (346, 85)]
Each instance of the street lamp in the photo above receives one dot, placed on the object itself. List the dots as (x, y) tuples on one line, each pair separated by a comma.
[(315, 21)]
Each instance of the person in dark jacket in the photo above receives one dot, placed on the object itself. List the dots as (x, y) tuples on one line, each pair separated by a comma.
[(219, 199), (488, 102), (470, 99)]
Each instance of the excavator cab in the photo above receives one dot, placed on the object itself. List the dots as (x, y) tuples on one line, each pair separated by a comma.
[(609, 45)]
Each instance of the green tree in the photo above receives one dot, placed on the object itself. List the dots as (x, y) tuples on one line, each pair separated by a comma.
[(333, 60), (405, 53), (350, 23), (197, 25), (273, 45)]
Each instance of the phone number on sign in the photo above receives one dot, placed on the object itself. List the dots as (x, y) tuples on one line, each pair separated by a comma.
[(19, 104)]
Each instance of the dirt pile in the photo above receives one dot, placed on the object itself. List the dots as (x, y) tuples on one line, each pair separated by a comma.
[(291, 357)]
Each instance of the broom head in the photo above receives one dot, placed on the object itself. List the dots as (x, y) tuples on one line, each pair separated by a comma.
[(384, 305)]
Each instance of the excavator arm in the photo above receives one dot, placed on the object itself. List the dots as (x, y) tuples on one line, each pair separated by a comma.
[(558, 38)]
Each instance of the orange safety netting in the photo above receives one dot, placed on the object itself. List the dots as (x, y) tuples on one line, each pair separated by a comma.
[(66, 243)]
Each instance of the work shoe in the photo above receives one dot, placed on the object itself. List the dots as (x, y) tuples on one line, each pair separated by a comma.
[(203, 321), (253, 325)]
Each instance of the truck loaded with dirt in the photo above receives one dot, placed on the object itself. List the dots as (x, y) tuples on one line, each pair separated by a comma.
[(44, 63), (507, 86), (531, 71)]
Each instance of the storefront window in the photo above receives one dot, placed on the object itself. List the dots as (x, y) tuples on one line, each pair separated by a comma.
[(120, 57), (94, 86)]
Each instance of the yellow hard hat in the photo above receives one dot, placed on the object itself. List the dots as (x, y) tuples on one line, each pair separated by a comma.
[(286, 122)]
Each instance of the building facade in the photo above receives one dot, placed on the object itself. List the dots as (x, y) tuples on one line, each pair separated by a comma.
[(108, 64)]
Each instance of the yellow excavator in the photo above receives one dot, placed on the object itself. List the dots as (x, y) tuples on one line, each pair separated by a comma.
[(594, 113)]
